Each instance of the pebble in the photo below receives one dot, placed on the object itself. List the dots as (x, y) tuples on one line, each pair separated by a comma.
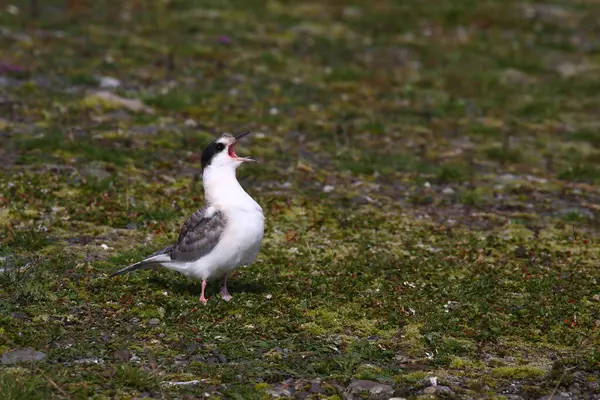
[(122, 355), (438, 390), (89, 361), (22, 355), (315, 387), (95, 171), (369, 386), (190, 123), (154, 322), (107, 82)]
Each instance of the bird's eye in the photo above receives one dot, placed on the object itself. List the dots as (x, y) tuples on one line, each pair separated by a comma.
[(220, 146)]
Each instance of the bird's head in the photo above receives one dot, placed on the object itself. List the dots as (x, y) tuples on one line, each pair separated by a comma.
[(221, 154)]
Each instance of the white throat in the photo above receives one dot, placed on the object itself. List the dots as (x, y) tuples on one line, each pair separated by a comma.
[(222, 189)]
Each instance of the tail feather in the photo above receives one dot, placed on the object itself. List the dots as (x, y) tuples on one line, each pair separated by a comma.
[(148, 263)]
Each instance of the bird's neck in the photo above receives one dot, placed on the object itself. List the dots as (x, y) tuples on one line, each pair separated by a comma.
[(221, 188)]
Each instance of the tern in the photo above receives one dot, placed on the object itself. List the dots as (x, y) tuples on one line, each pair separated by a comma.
[(224, 234)]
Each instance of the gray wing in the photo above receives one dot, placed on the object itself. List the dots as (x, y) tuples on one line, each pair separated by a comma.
[(199, 235)]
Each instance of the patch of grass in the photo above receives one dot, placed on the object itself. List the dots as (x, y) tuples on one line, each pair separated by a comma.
[(591, 137), (23, 386), (82, 79), (445, 349), (131, 376), (449, 173), (581, 173), (171, 101), (29, 239), (505, 156)]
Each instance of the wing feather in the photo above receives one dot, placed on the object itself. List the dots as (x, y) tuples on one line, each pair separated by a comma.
[(199, 235)]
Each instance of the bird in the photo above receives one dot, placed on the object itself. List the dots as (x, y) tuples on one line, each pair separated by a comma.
[(225, 233)]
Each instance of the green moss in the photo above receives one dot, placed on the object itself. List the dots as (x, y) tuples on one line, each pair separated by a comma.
[(520, 372), (413, 377), (458, 362)]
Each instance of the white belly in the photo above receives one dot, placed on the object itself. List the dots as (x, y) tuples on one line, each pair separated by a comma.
[(238, 246)]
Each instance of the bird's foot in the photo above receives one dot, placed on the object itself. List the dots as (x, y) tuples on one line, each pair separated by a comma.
[(225, 294), (202, 298)]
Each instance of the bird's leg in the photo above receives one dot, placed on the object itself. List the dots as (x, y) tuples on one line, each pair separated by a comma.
[(224, 293), (202, 298)]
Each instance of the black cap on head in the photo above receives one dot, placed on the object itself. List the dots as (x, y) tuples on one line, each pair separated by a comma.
[(210, 151)]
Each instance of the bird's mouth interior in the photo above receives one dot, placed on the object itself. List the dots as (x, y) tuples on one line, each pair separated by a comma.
[(231, 148), (231, 151)]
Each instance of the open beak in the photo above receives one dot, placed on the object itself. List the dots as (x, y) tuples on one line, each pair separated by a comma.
[(231, 150)]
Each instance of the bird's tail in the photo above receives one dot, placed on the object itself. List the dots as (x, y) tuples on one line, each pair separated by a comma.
[(148, 263)]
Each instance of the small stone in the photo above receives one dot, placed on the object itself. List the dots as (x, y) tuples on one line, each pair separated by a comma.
[(184, 383), (351, 12), (21, 355), (154, 322), (131, 226), (89, 361), (369, 386), (437, 390), (192, 348), (282, 390), (12, 9), (95, 171), (107, 82), (516, 77), (315, 387), (222, 359), (362, 200), (328, 188), (122, 355), (569, 70), (444, 390), (521, 252), (190, 123), (107, 100)]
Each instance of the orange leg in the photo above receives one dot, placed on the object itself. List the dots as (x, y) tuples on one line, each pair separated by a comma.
[(202, 298)]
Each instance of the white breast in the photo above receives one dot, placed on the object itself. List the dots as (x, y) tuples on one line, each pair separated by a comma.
[(238, 246), (240, 242)]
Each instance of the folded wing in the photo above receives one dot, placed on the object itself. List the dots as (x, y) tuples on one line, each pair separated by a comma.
[(198, 237)]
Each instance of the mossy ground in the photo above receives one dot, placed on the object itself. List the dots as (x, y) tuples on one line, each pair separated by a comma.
[(429, 179)]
